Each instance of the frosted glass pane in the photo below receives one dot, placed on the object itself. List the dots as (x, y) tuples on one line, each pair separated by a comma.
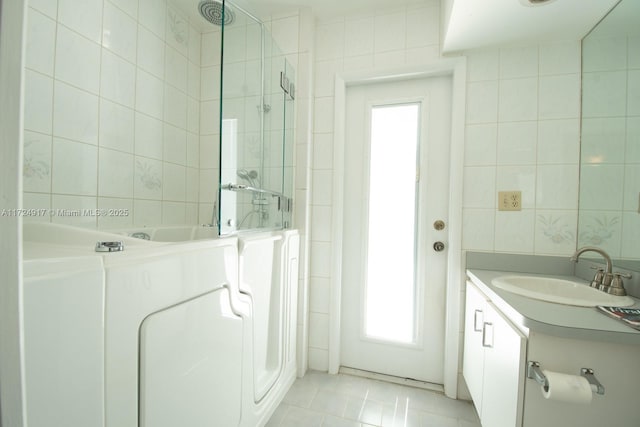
[(390, 284)]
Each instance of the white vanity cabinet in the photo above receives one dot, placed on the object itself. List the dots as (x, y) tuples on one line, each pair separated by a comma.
[(493, 363)]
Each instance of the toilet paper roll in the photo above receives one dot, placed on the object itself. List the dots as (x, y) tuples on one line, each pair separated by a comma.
[(567, 388)]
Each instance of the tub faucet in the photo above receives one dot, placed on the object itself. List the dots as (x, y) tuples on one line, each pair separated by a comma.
[(603, 281)]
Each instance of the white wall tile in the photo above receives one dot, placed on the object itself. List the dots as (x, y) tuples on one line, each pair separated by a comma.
[(36, 201), (209, 117), (119, 32), (152, 14), (480, 144), (117, 129), (173, 213), (75, 114), (518, 62), (77, 60), (177, 31), (47, 7), (359, 39), (175, 145), (193, 115), (210, 48), (176, 70), (115, 174), (319, 330), (193, 150), (323, 151), (320, 258), (557, 187), (558, 141), (560, 58), (515, 231), (192, 187), (150, 52), (118, 79), (209, 152), (518, 100), (483, 65), (282, 30), (65, 204), (195, 40), (175, 179), (322, 190), (479, 187), (390, 31), (149, 136), (147, 180), (423, 27), (323, 112), (84, 17), (559, 97), (36, 170), (193, 80), (321, 223), (517, 143), (482, 102), (41, 39), (175, 107), (38, 102), (555, 232), (478, 229), (147, 212), (319, 295), (121, 209), (329, 40), (149, 94), (128, 6), (210, 83), (518, 178), (75, 168)]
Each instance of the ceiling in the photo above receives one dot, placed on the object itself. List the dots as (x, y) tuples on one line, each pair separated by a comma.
[(472, 24), (483, 23)]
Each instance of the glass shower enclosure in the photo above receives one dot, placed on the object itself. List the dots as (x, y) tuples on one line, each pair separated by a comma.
[(256, 127)]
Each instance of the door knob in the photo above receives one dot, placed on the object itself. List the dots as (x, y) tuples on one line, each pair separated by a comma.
[(438, 246)]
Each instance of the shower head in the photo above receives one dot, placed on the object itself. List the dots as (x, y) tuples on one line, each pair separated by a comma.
[(212, 11), (249, 176)]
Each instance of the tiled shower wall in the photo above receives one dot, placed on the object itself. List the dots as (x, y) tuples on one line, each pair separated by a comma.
[(112, 112)]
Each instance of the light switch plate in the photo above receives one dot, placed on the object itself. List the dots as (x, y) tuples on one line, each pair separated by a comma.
[(509, 200)]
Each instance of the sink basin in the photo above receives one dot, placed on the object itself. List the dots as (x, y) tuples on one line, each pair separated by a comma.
[(559, 291)]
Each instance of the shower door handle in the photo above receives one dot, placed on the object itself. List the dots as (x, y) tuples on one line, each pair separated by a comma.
[(438, 246)]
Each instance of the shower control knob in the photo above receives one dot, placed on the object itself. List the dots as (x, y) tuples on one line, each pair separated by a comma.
[(438, 246)]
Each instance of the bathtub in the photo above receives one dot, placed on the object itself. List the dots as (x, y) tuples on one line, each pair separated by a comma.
[(126, 336), (139, 330)]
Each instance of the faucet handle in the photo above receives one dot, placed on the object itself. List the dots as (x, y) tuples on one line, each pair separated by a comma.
[(598, 278), (617, 286)]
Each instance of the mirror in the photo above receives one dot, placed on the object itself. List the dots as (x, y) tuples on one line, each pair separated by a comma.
[(609, 209)]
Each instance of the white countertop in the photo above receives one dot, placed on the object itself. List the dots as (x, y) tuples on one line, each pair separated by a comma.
[(585, 323)]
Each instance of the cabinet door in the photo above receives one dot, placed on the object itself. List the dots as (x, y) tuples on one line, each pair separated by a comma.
[(504, 360), (473, 357)]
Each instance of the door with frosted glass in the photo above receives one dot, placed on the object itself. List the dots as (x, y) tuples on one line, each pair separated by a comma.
[(396, 201)]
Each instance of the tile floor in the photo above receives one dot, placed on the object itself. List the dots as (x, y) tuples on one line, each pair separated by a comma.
[(323, 400)]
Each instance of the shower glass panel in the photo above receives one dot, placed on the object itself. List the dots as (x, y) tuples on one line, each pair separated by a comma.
[(254, 120)]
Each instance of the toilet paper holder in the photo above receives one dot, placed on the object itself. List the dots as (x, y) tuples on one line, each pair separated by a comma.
[(535, 373)]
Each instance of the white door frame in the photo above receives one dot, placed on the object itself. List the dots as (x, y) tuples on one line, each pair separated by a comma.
[(456, 67)]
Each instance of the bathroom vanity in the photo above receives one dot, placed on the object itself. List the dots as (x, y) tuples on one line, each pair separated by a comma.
[(505, 331)]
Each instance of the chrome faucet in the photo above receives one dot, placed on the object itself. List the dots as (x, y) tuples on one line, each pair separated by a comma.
[(602, 281), (606, 281)]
